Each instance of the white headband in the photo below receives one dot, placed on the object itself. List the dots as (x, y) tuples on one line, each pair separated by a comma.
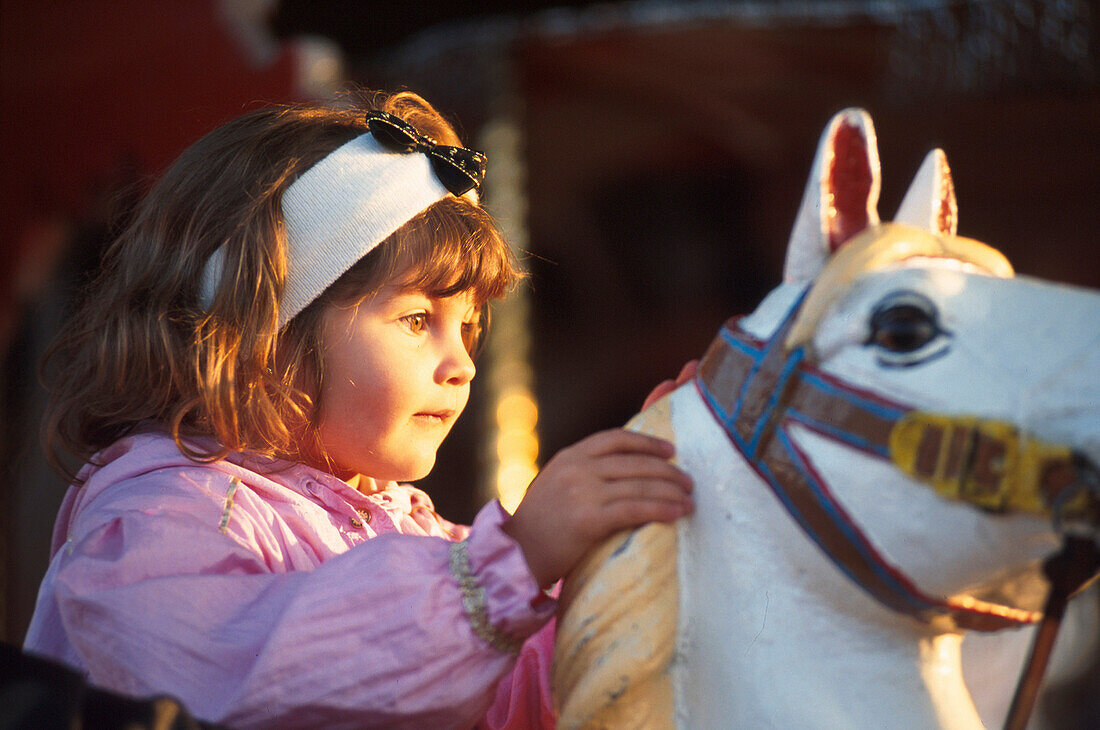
[(337, 212)]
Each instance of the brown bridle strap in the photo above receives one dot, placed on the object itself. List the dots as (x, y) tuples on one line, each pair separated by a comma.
[(757, 390)]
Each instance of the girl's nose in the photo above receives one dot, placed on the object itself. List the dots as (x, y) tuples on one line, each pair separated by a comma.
[(457, 368)]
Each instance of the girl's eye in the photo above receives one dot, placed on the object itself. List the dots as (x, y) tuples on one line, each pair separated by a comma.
[(416, 323)]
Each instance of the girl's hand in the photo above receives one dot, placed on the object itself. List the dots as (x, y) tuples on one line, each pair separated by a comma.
[(608, 482), (667, 386)]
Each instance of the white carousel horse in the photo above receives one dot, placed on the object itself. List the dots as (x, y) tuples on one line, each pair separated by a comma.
[(880, 452)]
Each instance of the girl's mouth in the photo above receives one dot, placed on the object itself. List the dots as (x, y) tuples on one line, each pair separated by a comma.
[(435, 416)]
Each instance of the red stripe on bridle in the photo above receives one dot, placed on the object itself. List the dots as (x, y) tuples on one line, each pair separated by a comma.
[(757, 390)]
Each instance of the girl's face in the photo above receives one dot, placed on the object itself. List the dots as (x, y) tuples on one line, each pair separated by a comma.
[(397, 376)]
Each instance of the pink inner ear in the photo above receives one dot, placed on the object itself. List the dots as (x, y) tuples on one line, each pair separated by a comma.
[(850, 179), (945, 217)]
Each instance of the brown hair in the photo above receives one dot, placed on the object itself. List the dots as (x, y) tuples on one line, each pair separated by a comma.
[(143, 348)]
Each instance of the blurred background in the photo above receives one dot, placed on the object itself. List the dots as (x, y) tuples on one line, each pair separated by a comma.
[(646, 158)]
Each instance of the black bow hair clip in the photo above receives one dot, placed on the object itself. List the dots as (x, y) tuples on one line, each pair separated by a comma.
[(459, 169)]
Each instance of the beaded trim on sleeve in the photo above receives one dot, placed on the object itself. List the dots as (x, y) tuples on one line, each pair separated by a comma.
[(473, 602)]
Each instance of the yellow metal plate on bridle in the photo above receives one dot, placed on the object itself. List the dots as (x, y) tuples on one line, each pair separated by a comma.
[(988, 463)]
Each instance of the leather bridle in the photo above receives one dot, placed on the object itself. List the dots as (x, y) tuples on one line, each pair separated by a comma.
[(758, 390)]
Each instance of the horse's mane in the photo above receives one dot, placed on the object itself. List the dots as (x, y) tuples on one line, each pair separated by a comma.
[(616, 637)]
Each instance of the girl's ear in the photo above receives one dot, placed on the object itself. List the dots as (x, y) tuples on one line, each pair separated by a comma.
[(841, 197), (930, 201)]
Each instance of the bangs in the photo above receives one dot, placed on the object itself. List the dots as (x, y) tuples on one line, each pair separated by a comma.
[(452, 247)]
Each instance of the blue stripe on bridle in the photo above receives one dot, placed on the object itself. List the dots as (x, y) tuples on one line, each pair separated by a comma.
[(756, 435)]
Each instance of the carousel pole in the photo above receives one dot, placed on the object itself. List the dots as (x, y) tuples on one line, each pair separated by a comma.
[(1068, 571)]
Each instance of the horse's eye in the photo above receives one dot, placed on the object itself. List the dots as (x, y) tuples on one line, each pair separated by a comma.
[(903, 324), (902, 328)]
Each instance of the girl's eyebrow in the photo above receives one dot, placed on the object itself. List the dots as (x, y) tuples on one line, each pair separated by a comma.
[(413, 290), (397, 294)]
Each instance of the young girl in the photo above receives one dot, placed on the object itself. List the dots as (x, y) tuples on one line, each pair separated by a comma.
[(282, 335)]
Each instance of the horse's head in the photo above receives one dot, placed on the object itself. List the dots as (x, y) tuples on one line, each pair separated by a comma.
[(970, 396), (928, 420)]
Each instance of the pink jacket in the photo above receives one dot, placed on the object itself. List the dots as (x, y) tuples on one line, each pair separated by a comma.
[(275, 595)]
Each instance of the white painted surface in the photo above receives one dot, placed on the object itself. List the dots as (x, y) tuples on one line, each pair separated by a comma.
[(773, 634)]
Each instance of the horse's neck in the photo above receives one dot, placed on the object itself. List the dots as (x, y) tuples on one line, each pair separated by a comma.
[(809, 648)]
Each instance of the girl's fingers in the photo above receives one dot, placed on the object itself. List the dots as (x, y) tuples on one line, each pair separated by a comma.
[(618, 441), (631, 513), (643, 489), (639, 466), (687, 372), (663, 388)]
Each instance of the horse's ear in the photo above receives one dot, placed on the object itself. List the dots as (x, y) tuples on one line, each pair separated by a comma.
[(930, 201), (841, 196)]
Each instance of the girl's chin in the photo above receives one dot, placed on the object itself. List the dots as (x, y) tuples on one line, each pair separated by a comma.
[(391, 473)]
